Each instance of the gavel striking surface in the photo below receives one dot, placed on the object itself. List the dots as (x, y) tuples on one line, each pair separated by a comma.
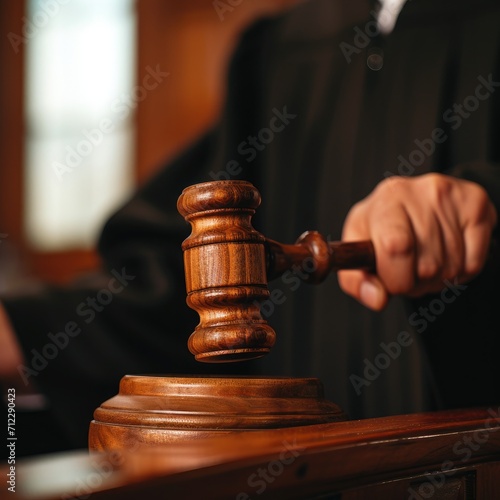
[(161, 410)]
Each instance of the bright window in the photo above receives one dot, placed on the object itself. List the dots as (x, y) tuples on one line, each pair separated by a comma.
[(80, 71)]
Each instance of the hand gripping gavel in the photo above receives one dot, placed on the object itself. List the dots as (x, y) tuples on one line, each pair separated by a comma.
[(228, 264)]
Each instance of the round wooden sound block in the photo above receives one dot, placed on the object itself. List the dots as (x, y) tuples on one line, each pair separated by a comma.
[(157, 410)]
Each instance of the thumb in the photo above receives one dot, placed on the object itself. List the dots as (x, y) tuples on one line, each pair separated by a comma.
[(364, 287)]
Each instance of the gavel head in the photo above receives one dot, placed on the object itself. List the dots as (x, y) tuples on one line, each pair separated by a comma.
[(225, 266)]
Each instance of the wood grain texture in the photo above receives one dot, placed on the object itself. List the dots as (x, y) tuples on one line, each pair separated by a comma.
[(361, 460), (343, 457), (318, 257), (228, 264), (161, 410), (225, 272)]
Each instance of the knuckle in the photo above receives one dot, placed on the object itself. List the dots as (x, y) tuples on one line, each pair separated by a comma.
[(355, 212), (397, 244), (428, 269), (392, 184), (439, 188)]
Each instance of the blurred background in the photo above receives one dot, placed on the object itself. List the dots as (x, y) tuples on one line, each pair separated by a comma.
[(95, 95)]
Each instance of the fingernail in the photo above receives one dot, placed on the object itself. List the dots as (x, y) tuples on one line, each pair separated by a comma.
[(370, 295)]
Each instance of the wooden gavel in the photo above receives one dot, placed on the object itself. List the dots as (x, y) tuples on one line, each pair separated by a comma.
[(228, 264)]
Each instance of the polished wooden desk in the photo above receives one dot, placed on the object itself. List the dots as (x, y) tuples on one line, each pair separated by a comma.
[(453, 455)]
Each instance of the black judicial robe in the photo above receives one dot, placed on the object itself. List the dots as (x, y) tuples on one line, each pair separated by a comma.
[(315, 128)]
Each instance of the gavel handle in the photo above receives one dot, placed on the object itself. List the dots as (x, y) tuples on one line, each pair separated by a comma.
[(314, 258)]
